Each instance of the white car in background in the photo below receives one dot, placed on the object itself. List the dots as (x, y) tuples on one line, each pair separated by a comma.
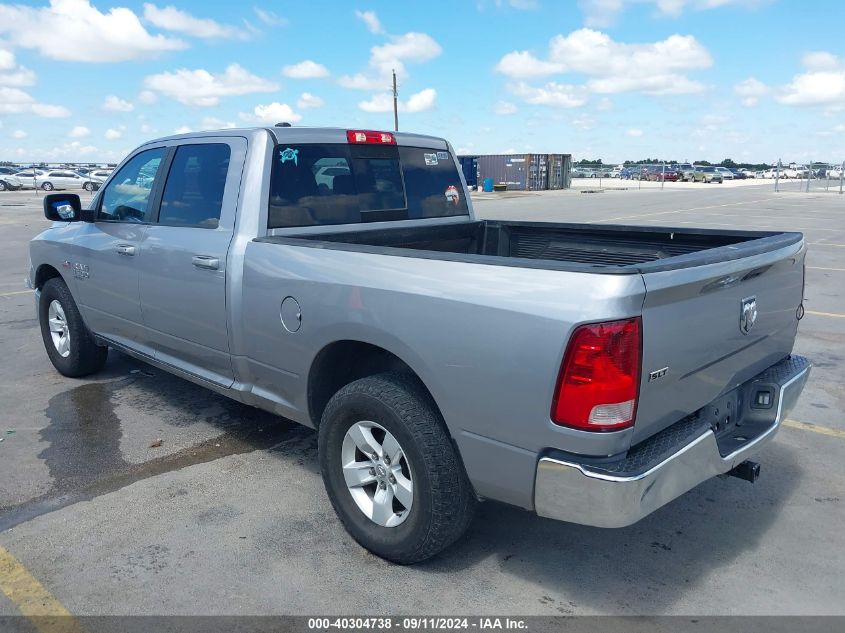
[(834, 172), (29, 177), (60, 179)]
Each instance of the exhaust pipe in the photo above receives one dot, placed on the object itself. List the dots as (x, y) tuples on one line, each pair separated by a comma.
[(747, 470)]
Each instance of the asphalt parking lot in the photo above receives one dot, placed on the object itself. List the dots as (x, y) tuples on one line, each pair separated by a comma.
[(229, 514)]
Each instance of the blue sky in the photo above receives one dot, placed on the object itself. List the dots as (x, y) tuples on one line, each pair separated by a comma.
[(754, 80)]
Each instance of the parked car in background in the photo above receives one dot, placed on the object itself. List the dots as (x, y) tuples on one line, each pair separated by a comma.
[(771, 172), (708, 173), (748, 173), (29, 178), (60, 179), (686, 171), (580, 172), (727, 174), (10, 182), (738, 174), (834, 172), (663, 173)]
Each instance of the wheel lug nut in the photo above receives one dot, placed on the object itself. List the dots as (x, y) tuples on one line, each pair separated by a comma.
[(382, 485), (392, 479), (372, 471)]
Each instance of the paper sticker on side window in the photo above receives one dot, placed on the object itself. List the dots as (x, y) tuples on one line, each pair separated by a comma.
[(430, 159), (442, 155)]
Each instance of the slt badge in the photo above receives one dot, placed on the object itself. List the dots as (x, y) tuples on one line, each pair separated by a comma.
[(747, 314)]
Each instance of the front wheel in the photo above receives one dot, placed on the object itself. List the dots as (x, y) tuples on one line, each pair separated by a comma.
[(69, 344), (47, 186), (88, 186), (391, 470)]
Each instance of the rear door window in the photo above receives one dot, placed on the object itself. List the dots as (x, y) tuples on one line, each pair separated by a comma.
[(322, 184), (193, 193)]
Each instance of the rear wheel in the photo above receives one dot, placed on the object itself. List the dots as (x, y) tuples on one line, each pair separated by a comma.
[(88, 186), (391, 471), (47, 186), (69, 344)]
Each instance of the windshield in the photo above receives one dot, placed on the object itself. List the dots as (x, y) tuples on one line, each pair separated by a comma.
[(336, 183)]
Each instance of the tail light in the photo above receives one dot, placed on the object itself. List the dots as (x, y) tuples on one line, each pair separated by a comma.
[(600, 377), (368, 136)]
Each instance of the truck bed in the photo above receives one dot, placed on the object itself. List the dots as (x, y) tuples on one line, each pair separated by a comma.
[(586, 247)]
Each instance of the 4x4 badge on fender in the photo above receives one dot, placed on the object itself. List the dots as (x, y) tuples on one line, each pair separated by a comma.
[(747, 314)]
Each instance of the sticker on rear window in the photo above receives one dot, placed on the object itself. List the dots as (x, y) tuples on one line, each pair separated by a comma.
[(442, 155), (430, 159), (452, 195), (289, 154)]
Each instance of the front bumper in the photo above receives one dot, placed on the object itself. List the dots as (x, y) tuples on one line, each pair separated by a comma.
[(598, 495)]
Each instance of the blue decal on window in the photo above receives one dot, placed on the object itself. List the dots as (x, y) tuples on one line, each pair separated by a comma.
[(289, 154)]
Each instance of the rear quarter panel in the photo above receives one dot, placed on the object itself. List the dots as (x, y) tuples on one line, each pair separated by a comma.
[(487, 341)]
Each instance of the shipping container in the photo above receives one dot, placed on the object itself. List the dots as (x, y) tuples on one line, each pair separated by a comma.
[(469, 165), (526, 172)]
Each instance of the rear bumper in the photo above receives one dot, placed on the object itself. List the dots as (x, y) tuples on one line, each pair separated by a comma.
[(591, 495)]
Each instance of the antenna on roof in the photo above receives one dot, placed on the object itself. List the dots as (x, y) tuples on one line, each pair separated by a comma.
[(283, 124)]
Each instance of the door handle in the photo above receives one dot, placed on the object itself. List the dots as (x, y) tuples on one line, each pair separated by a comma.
[(124, 249), (205, 261)]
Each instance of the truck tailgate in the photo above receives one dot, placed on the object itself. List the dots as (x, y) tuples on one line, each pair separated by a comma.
[(696, 344)]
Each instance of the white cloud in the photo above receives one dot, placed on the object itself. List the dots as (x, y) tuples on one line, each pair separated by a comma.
[(50, 111), (552, 94), (112, 134), (172, 19), (16, 101), (70, 151), (113, 103), (584, 122), (603, 13), (202, 88), (634, 132), (822, 85), (306, 69), (147, 97), (820, 60), (269, 18), (307, 100), (79, 131), (213, 123), (182, 129), (612, 67), (750, 90), (75, 30), (11, 74), (371, 20), (271, 114), (504, 107), (410, 47), (383, 102), (146, 128), (524, 64), (19, 134)]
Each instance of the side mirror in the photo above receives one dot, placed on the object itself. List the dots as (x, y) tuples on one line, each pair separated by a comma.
[(62, 207)]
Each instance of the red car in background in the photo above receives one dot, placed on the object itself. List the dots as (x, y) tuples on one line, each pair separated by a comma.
[(664, 173)]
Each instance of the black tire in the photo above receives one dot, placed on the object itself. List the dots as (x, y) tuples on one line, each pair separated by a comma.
[(3, 186), (88, 186), (47, 186), (443, 503), (85, 356)]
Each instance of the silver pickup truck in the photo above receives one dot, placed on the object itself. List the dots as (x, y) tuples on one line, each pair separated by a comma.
[(340, 278)]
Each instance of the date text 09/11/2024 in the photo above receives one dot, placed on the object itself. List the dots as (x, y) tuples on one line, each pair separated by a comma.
[(417, 623)]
